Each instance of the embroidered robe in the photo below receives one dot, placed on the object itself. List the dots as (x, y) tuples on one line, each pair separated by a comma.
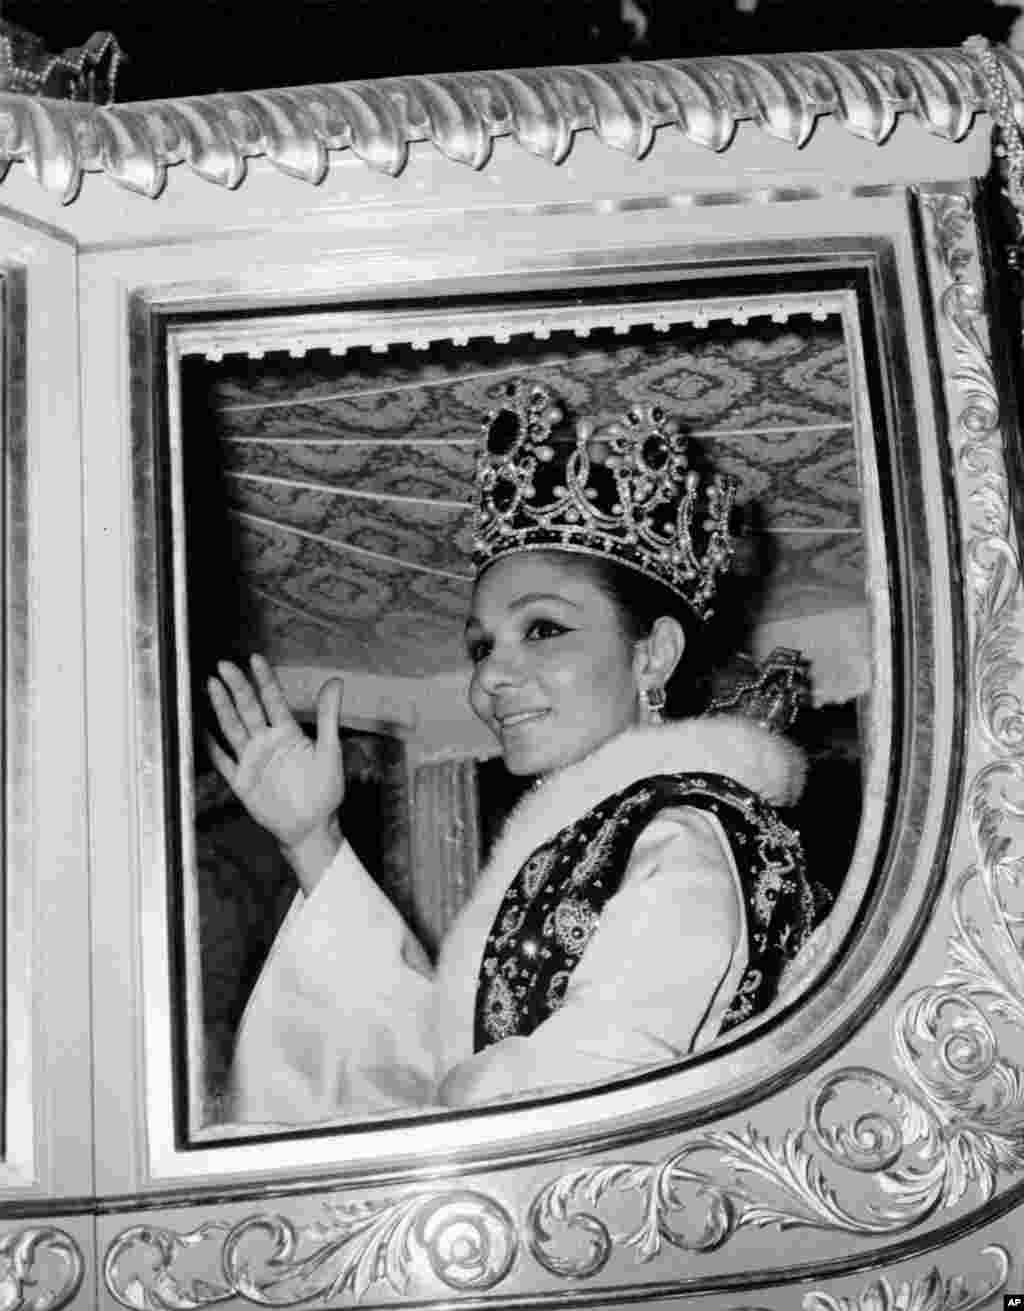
[(553, 906)]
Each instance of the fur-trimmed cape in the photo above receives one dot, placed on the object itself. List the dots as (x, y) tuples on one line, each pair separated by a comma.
[(767, 764)]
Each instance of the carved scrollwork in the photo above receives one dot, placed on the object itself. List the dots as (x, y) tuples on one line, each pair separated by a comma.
[(919, 1157), (24, 1256), (780, 1184), (462, 115), (994, 571), (463, 1240), (138, 1269), (930, 1292), (947, 1037), (950, 1119)]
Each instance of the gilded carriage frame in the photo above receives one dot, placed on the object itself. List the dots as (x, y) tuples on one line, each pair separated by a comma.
[(893, 1138)]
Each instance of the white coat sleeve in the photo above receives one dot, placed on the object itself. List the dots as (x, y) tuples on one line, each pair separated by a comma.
[(653, 982), (341, 1020)]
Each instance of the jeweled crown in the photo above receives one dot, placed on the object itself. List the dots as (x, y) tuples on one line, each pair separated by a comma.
[(625, 491)]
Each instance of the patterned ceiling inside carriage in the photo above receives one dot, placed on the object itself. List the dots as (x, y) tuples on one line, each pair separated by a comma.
[(348, 480)]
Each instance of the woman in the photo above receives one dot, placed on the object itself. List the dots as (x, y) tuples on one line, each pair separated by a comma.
[(642, 898)]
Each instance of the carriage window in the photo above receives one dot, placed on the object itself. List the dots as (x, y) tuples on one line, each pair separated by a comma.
[(320, 502)]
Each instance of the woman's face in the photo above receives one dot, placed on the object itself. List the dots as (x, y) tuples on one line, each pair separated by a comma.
[(553, 673)]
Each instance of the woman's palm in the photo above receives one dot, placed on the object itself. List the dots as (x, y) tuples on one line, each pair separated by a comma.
[(289, 784), (285, 784)]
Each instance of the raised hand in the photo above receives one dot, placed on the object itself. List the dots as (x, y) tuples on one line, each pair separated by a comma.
[(288, 784)]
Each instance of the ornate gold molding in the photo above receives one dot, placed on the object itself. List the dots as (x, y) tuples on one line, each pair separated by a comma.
[(461, 114), (452, 1239), (23, 1256), (161, 1288), (366, 1247)]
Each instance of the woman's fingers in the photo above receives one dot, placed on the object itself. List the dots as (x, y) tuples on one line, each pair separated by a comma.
[(328, 713), (235, 732), (247, 704), (223, 763), (270, 690)]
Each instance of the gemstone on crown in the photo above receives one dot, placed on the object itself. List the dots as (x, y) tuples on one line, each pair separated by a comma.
[(624, 491)]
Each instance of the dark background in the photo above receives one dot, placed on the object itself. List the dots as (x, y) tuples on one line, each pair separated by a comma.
[(193, 47)]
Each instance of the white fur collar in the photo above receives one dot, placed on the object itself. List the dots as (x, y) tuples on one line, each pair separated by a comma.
[(770, 765)]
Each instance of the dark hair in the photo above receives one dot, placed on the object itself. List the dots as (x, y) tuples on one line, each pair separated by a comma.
[(639, 602)]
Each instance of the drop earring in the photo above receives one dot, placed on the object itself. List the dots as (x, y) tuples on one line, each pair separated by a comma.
[(652, 703)]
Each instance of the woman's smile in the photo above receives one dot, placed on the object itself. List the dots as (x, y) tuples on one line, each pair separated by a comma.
[(517, 718), (516, 731)]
